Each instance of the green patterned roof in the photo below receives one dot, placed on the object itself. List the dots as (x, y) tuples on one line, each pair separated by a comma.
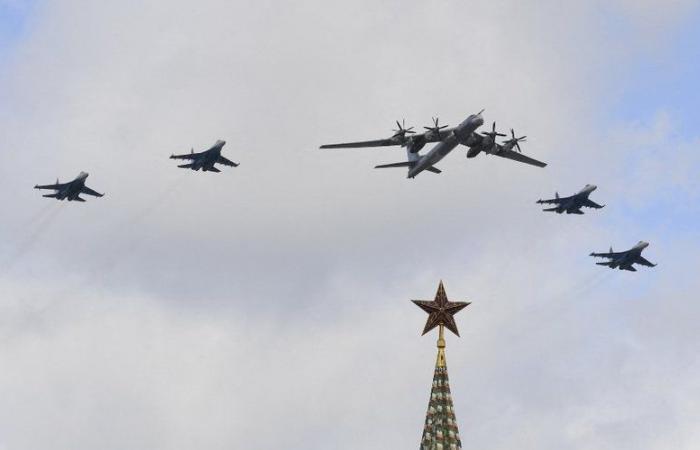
[(440, 431)]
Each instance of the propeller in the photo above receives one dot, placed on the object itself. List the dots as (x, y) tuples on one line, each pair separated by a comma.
[(515, 141), (493, 133), (436, 127), (402, 129)]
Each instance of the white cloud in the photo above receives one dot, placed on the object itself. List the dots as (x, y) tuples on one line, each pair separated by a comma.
[(268, 305)]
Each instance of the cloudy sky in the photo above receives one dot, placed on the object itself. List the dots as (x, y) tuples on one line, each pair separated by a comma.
[(267, 307)]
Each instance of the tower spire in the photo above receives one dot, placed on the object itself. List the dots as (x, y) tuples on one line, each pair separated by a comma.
[(441, 348), (440, 431)]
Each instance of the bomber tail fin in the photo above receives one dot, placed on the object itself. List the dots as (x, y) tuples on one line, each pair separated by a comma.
[(412, 161), (398, 164)]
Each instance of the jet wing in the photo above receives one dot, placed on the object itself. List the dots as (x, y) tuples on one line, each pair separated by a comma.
[(188, 156), (611, 255), (515, 156), (88, 191), (592, 204), (226, 162), (643, 261), (363, 144), (55, 187), (553, 201)]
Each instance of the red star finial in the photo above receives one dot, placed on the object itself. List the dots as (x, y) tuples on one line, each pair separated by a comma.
[(441, 311)]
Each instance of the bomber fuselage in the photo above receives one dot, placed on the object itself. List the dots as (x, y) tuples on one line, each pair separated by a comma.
[(459, 135)]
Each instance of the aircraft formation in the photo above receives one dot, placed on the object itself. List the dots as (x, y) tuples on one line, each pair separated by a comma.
[(445, 140)]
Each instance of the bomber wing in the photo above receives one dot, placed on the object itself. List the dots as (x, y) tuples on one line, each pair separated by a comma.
[(403, 136), (363, 144), (226, 162), (420, 138), (88, 191), (591, 204), (515, 156)]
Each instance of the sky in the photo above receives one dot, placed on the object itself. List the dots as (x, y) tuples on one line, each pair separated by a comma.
[(268, 306)]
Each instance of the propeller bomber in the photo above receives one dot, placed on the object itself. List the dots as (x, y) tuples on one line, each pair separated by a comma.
[(445, 139)]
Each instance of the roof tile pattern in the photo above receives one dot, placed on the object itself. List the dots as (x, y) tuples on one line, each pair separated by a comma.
[(440, 431)]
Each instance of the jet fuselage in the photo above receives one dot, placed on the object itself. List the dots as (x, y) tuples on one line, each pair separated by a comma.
[(72, 190), (628, 258)]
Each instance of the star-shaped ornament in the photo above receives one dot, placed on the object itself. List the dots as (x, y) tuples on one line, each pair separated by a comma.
[(441, 311)]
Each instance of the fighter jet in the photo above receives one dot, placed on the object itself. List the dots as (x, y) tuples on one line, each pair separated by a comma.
[(205, 160), (446, 140), (625, 260), (70, 191), (574, 203)]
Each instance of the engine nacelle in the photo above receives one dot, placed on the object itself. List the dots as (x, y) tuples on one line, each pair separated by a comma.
[(415, 145), (473, 151)]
